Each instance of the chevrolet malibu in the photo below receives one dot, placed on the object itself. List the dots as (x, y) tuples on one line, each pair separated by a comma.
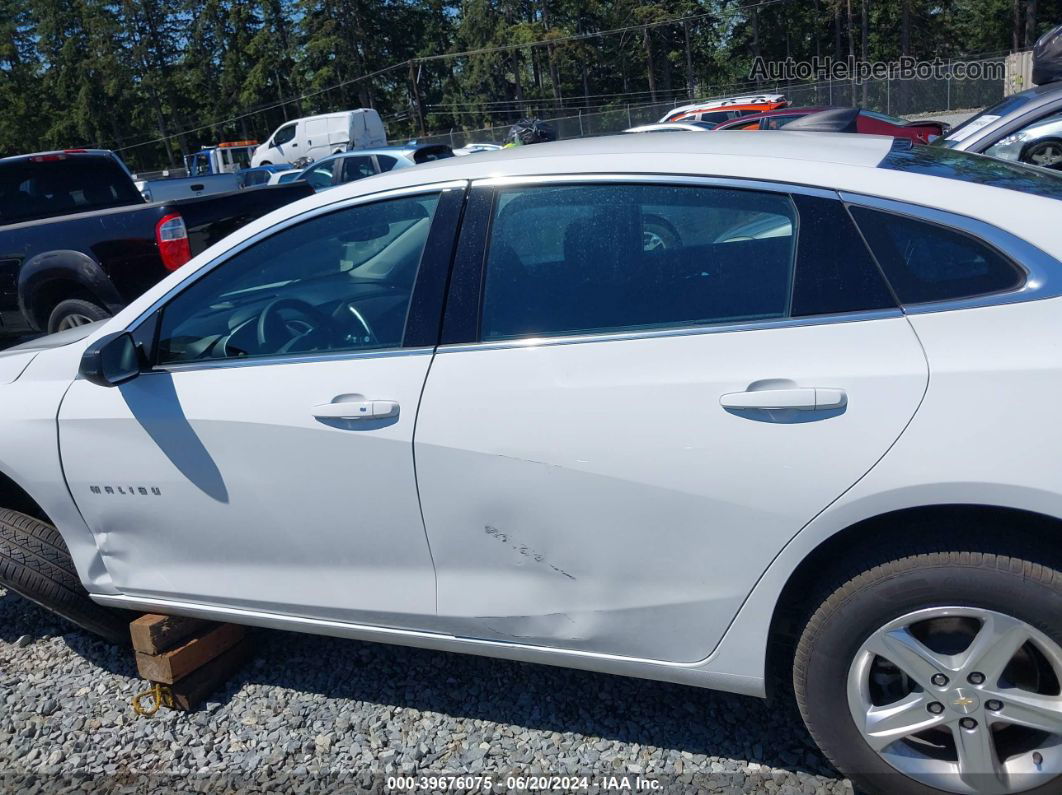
[(776, 417)]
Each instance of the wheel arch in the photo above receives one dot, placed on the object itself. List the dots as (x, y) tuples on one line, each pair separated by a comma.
[(13, 496), (51, 277), (62, 514), (867, 542)]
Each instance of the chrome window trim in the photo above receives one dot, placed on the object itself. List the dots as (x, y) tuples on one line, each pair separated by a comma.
[(683, 331), (1042, 279), (289, 358), (657, 178), (341, 204)]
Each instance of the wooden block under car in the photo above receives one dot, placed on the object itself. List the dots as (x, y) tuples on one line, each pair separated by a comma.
[(171, 666), (154, 634), (194, 688)]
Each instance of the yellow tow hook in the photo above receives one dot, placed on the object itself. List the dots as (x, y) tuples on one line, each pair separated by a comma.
[(160, 695)]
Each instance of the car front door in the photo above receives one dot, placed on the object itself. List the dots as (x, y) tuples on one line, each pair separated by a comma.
[(323, 173), (622, 429), (284, 145), (266, 460)]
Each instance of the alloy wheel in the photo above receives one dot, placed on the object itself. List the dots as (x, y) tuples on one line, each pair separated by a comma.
[(963, 699), (1047, 155), (73, 320)]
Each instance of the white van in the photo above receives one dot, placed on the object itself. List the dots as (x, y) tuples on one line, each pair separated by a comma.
[(315, 137)]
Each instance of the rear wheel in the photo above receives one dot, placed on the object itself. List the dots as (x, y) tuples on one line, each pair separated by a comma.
[(74, 312), (939, 672), (35, 563)]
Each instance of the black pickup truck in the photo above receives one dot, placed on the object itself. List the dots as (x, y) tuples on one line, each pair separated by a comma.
[(78, 241)]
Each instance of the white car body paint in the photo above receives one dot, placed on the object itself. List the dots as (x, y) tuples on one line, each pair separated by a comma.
[(991, 371), (627, 512), (283, 509)]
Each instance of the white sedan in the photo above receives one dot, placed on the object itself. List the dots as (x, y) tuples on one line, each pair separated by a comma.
[(768, 414)]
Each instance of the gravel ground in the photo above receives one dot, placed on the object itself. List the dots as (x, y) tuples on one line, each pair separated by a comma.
[(313, 713)]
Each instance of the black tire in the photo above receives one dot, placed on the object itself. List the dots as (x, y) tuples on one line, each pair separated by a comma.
[(35, 563), (265, 163), (75, 312), (1014, 585), (1046, 153)]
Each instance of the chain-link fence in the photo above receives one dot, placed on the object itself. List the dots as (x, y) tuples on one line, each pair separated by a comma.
[(895, 96)]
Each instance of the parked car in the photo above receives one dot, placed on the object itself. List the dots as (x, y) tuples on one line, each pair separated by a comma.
[(1025, 127), (672, 126), (717, 111), (857, 120), (350, 166), (260, 175), (315, 137), (1047, 57), (78, 241), (751, 460), (282, 177), (471, 149)]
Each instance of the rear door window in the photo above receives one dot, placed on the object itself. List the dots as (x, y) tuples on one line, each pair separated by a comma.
[(357, 167), (925, 262), (594, 258), (716, 117)]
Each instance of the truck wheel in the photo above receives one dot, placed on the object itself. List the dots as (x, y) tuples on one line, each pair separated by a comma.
[(74, 312), (34, 562), (939, 671)]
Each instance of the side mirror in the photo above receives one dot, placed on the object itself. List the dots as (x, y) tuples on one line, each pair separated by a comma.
[(111, 360)]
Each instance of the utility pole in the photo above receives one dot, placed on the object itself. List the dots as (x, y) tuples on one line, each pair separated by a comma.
[(691, 82), (416, 98), (851, 52), (866, 35), (1030, 23), (1015, 43), (649, 62)]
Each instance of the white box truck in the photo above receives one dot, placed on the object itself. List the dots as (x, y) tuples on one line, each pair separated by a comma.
[(314, 137)]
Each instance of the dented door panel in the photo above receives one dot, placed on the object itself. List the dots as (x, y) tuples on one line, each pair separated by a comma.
[(596, 496)]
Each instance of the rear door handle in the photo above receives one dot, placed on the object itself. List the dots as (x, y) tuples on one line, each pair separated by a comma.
[(805, 398), (356, 410)]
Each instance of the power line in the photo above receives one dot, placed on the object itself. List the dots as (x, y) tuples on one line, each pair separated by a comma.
[(593, 35), (255, 112), (443, 56)]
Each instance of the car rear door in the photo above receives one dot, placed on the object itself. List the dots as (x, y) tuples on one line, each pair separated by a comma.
[(659, 383), (266, 460)]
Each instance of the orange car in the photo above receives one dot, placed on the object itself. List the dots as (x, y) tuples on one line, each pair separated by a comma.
[(717, 111)]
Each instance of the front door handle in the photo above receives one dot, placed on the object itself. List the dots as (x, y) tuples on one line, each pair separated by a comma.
[(804, 398), (357, 410)]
